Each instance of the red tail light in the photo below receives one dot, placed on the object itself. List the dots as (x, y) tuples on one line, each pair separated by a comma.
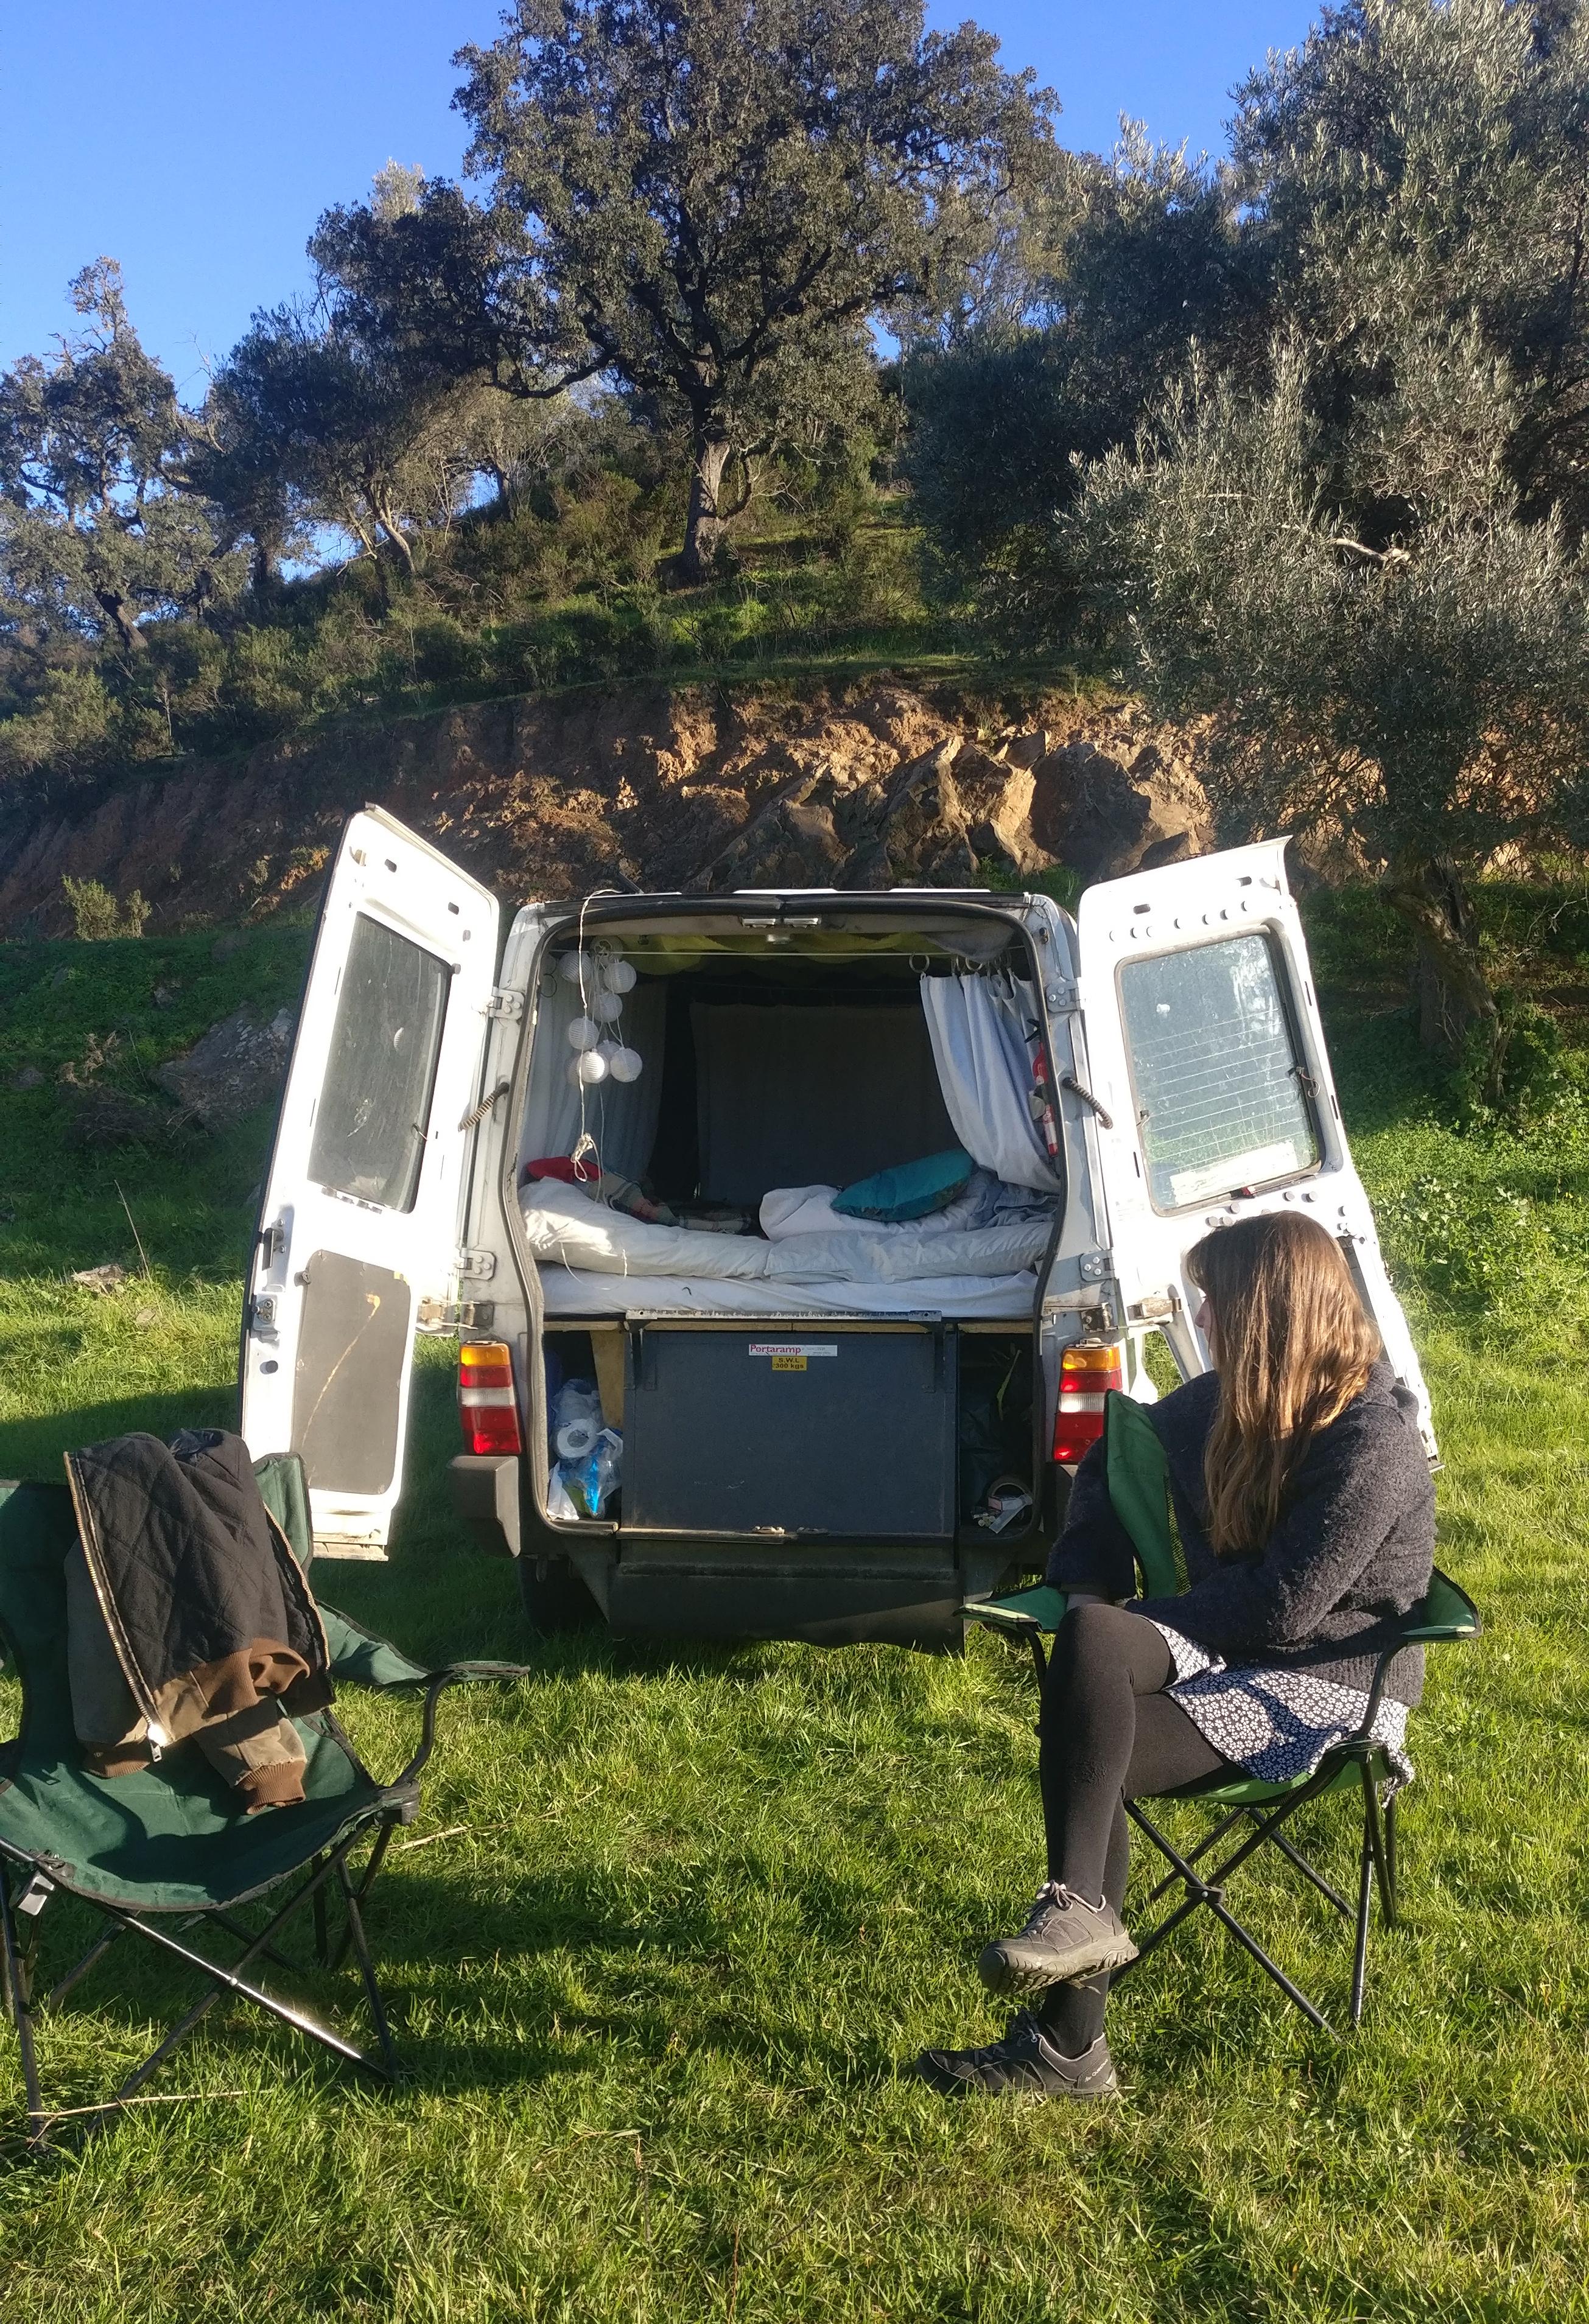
[(1085, 1375), (487, 1406)]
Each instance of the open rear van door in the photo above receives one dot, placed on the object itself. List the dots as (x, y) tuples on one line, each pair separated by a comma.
[(359, 1220), (1207, 1055)]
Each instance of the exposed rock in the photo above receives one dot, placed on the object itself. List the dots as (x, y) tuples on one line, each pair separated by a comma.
[(100, 1118), (793, 844), (924, 833), (228, 946), (1104, 817), (640, 786), (232, 1070), (1026, 749), (996, 798), (30, 1078)]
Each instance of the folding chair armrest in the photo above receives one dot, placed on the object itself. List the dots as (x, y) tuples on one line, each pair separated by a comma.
[(436, 1685), (1041, 1610), (1444, 1615)]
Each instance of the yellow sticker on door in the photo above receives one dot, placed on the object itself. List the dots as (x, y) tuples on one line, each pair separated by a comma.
[(790, 1355)]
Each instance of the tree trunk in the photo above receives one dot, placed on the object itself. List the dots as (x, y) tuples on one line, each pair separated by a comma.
[(704, 527), (130, 637), (1457, 1009), (395, 534)]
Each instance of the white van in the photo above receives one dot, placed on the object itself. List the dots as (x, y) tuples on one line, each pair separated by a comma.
[(825, 1425)]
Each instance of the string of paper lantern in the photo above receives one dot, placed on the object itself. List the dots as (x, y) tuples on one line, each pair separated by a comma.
[(602, 976)]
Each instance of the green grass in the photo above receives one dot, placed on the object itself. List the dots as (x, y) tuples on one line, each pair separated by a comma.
[(676, 1922)]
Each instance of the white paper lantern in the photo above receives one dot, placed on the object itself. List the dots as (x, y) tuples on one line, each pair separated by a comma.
[(576, 967), (591, 1067), (606, 1005), (626, 1064), (583, 1034), (618, 974)]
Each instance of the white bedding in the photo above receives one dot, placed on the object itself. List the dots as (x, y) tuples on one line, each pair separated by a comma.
[(984, 1270), (573, 1291)]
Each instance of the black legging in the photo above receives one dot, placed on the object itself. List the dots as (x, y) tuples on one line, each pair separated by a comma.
[(1110, 1733)]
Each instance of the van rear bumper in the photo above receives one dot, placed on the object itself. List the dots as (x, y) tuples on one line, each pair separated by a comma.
[(908, 1597), (486, 1496)]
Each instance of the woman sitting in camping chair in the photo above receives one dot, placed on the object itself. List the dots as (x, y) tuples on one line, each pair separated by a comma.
[(1307, 1520)]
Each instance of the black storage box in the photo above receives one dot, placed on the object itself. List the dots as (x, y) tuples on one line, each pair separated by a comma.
[(815, 1427)]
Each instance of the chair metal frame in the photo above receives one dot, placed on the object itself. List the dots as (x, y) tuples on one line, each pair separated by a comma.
[(1276, 1805), (29, 1883)]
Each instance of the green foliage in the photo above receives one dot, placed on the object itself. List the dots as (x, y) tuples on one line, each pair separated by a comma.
[(1365, 684), (1299, 445), (715, 198), (557, 589), (1151, 260), (1530, 1078), (96, 916), (1480, 1208), (1474, 1244), (96, 532)]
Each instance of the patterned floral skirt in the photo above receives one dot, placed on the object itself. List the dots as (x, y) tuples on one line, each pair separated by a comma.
[(1277, 1724)]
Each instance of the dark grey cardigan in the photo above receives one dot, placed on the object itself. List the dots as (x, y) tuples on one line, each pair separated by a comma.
[(1355, 1545)]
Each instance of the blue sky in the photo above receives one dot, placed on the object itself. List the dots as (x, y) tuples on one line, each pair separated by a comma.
[(197, 144)]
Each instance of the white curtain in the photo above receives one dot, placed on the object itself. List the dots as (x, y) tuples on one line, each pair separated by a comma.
[(978, 1029), (621, 1116)]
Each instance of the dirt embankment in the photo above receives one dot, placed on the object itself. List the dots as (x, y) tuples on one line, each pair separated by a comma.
[(643, 786)]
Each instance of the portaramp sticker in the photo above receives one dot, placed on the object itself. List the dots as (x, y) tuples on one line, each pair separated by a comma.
[(790, 1355)]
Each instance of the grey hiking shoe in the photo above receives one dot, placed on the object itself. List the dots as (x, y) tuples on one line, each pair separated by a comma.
[(1065, 1937), (1025, 2060)]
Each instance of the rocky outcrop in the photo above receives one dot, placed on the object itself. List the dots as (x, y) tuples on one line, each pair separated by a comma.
[(640, 787), (1105, 816), (232, 1070)]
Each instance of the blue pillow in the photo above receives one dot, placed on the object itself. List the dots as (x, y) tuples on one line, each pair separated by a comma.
[(913, 1191)]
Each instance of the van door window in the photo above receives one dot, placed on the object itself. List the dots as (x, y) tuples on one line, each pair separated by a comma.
[(1219, 1079), (369, 1132)]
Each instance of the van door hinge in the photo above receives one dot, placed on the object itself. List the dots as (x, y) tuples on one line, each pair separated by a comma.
[(455, 1315), (1062, 995), (504, 1003), (1097, 1266), (478, 1266)]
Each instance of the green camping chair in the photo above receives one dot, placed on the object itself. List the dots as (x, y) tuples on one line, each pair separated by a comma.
[(168, 1850), (1139, 1488)]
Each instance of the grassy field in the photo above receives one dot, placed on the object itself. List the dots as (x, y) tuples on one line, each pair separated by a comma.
[(673, 1923)]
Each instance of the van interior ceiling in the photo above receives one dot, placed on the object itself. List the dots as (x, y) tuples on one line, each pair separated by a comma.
[(776, 1060)]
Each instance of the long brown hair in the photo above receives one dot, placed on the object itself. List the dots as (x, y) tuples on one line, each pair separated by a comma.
[(1293, 1346)]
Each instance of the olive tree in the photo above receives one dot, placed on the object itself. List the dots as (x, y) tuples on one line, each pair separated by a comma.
[(1142, 258), (1425, 696), (1362, 549)]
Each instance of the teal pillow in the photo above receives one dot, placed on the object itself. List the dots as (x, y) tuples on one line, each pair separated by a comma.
[(913, 1191)]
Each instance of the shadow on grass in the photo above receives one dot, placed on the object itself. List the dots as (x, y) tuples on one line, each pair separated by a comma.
[(32, 1447)]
